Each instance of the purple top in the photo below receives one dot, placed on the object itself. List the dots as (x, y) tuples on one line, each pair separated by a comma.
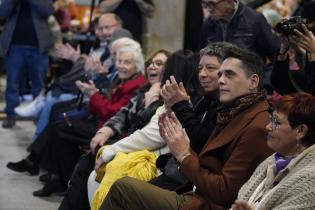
[(281, 163)]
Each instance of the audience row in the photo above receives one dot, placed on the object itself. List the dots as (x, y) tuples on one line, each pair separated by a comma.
[(182, 130)]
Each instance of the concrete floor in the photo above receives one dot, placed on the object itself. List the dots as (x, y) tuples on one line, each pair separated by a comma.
[(16, 188)]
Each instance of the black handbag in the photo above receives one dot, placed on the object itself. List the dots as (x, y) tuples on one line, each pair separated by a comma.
[(170, 167), (68, 111)]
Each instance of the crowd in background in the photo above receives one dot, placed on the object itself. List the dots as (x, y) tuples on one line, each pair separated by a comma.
[(228, 122)]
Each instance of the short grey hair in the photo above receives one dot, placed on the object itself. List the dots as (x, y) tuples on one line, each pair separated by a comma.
[(217, 49), (127, 42), (120, 33), (138, 58)]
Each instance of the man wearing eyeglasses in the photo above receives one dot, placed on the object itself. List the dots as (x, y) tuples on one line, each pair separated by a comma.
[(232, 21)]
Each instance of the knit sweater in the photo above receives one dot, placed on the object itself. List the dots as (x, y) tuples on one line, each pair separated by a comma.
[(292, 188)]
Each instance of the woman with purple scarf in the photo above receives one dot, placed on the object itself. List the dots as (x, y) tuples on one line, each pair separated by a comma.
[(285, 180)]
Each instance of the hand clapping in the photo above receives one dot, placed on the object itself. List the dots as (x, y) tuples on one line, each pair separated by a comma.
[(172, 93), (174, 135), (153, 94), (86, 88), (93, 65), (66, 51)]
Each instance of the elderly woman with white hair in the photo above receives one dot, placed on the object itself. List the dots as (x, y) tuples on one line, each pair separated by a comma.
[(62, 150), (130, 66)]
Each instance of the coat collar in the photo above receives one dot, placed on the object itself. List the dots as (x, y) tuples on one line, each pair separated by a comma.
[(235, 126)]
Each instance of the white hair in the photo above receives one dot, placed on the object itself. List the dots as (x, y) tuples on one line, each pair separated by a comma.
[(127, 42), (137, 55)]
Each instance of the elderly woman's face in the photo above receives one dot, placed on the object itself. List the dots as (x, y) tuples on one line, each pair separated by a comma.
[(155, 68), (281, 137), (125, 65)]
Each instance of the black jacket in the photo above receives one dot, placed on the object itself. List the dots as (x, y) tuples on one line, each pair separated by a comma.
[(199, 121), (248, 29), (285, 81), (133, 116)]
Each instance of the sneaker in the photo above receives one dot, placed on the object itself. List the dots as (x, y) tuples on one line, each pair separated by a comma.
[(8, 122), (24, 166), (31, 109)]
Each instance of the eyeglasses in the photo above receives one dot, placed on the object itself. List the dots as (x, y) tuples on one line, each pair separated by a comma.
[(109, 27), (274, 122), (156, 63), (210, 4)]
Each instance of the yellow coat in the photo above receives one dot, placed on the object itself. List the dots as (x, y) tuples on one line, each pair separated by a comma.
[(140, 165)]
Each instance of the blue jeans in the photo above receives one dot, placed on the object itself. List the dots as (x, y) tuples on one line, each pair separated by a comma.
[(18, 60), (44, 115)]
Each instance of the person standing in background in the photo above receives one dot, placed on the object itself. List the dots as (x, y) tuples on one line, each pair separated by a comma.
[(24, 44), (233, 22), (131, 13)]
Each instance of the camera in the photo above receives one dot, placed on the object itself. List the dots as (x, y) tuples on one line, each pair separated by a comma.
[(287, 26), (85, 79)]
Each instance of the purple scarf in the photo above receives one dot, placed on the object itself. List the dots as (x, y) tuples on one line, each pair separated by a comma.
[(281, 163)]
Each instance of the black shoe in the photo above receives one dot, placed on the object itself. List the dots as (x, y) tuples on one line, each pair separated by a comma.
[(24, 166), (51, 187), (8, 122), (45, 177), (29, 148)]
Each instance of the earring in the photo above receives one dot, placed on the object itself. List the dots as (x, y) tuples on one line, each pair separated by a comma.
[(297, 145)]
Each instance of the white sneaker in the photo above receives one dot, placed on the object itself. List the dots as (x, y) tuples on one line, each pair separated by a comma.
[(31, 109)]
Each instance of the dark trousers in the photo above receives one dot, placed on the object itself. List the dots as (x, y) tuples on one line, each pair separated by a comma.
[(76, 195), (132, 194), (65, 150), (40, 146)]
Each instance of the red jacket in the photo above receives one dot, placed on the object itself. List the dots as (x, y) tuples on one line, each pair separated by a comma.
[(104, 107)]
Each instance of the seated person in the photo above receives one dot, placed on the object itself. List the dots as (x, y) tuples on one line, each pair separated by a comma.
[(182, 65), (286, 179), (130, 66), (63, 88), (181, 61), (198, 120), (38, 147), (135, 115), (137, 112), (227, 159)]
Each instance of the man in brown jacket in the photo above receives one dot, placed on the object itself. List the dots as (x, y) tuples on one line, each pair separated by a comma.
[(234, 149)]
